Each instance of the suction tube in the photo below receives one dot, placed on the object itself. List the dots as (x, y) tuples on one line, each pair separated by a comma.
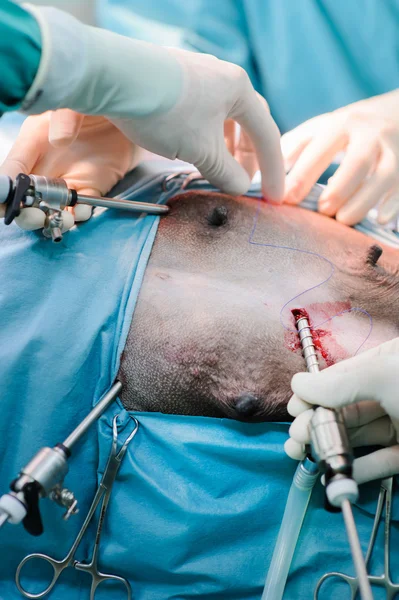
[(297, 502)]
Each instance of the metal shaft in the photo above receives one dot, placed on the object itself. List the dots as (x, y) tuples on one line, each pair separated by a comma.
[(308, 348), (312, 364), (131, 205), (93, 415), (356, 550)]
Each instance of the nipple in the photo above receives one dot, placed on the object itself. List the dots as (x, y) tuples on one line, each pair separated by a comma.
[(247, 405), (373, 254), (218, 216)]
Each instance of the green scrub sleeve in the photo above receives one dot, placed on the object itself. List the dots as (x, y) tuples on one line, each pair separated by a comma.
[(20, 51)]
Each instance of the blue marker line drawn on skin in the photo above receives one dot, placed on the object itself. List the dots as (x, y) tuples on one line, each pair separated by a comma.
[(318, 285)]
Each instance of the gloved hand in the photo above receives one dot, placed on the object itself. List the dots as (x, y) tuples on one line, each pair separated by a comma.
[(92, 164), (168, 101), (240, 145), (366, 386), (369, 171)]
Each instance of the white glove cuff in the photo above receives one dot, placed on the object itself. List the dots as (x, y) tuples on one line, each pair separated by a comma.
[(66, 57)]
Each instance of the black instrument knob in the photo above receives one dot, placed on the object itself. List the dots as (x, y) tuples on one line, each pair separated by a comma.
[(22, 184), (33, 520)]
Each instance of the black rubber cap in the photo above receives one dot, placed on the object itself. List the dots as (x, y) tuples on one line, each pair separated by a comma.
[(22, 184), (33, 520), (65, 450)]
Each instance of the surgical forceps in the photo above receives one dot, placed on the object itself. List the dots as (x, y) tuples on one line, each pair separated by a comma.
[(104, 493), (384, 580)]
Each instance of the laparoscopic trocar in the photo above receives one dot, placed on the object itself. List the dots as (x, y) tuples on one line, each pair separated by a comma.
[(52, 196), (330, 453), (44, 476)]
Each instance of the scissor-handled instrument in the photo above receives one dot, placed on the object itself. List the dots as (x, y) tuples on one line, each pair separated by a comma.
[(52, 196), (384, 580), (103, 493)]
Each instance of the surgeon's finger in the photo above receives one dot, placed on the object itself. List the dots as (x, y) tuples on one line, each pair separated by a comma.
[(364, 358), (252, 113), (372, 381), (68, 221), (299, 429), (355, 415), (355, 166), (377, 433), (358, 418), (294, 449), (296, 406), (230, 135), (362, 413), (389, 208), (30, 219), (83, 212), (24, 154), (223, 171), (292, 145), (380, 432), (311, 164), (375, 187), (243, 149), (64, 128), (377, 465), (245, 153)]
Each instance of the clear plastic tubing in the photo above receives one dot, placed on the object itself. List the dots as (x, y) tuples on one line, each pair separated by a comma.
[(297, 502)]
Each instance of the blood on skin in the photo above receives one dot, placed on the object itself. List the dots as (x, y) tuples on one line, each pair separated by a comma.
[(299, 313), (322, 311), (326, 354), (323, 339)]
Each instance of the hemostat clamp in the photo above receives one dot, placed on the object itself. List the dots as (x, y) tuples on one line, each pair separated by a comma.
[(52, 196)]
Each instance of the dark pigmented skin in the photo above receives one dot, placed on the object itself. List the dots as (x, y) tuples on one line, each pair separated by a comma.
[(247, 405), (374, 254), (206, 337), (218, 216)]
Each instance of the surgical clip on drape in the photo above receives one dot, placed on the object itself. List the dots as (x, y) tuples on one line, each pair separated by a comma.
[(52, 196), (330, 448), (44, 476)]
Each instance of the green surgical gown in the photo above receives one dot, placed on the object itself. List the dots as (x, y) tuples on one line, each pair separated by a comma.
[(20, 51)]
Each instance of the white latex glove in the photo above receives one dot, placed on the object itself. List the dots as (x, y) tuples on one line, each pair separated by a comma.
[(168, 101), (369, 170), (367, 386), (92, 164), (240, 145)]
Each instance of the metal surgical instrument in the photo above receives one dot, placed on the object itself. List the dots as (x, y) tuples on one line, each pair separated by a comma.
[(103, 493), (331, 450), (52, 196), (384, 580), (44, 476)]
